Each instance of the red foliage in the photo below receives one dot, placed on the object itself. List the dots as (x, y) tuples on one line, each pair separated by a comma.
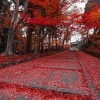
[(52, 10), (13, 91), (92, 17), (42, 20), (15, 58)]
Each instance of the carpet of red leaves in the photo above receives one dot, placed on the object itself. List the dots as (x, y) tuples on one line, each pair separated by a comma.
[(96, 50), (93, 66), (4, 59), (12, 91), (16, 59)]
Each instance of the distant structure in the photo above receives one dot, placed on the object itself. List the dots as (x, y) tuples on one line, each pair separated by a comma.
[(74, 46)]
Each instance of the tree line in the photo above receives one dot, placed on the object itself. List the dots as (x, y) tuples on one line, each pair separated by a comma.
[(27, 25)]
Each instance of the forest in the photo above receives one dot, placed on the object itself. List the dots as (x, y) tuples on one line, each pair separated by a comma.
[(37, 26)]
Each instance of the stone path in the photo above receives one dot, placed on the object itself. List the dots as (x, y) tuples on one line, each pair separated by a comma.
[(65, 72), (91, 68)]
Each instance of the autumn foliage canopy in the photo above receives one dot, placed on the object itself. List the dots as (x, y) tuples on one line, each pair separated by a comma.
[(45, 12), (92, 17)]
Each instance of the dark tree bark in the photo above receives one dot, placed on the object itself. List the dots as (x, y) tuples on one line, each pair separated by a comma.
[(42, 46), (66, 36), (37, 45), (40, 39), (28, 47), (56, 43), (49, 42)]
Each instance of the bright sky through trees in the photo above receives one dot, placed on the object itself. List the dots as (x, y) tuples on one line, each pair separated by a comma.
[(80, 6)]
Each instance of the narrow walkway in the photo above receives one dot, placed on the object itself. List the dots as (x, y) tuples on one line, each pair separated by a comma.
[(65, 73)]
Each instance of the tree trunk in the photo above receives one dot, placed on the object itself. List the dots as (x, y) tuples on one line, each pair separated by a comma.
[(11, 32), (10, 42), (49, 42), (37, 45), (28, 47), (56, 43), (42, 45)]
